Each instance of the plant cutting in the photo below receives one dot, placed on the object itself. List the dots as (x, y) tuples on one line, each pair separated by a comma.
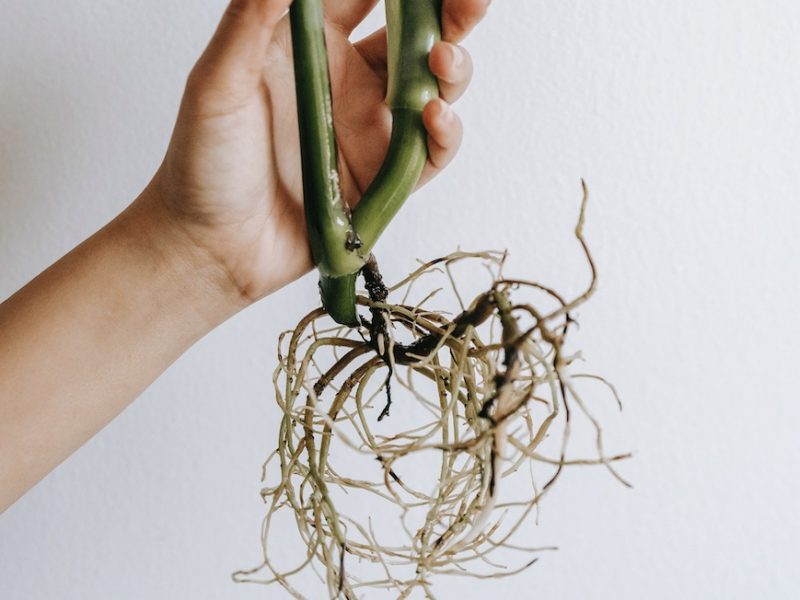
[(341, 241), (487, 392)]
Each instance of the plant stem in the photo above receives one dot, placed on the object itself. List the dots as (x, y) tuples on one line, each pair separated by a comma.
[(413, 27), (327, 214), (340, 246)]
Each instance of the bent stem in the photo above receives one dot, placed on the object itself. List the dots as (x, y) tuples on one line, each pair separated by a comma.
[(341, 242), (413, 27)]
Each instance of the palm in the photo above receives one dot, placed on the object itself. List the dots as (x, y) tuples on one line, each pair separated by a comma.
[(362, 123), (234, 164)]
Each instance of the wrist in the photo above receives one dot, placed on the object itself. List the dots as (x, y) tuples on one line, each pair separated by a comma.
[(202, 283)]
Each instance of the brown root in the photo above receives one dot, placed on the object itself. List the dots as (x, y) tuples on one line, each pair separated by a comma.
[(484, 394)]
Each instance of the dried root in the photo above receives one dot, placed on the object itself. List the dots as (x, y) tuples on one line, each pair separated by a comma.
[(487, 410)]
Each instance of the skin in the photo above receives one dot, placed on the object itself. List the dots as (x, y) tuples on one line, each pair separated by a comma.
[(219, 227)]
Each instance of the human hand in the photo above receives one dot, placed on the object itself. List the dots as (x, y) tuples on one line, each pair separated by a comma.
[(220, 225), (231, 182)]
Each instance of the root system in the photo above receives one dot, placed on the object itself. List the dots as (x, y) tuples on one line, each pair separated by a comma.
[(390, 487)]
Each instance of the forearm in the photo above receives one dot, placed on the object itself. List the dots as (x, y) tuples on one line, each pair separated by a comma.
[(88, 335)]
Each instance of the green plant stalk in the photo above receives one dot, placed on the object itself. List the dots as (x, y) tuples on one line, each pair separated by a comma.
[(327, 214), (413, 27), (341, 243)]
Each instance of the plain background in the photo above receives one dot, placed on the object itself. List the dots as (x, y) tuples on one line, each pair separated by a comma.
[(682, 116)]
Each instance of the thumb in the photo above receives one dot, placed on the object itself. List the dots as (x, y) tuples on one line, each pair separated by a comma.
[(234, 59)]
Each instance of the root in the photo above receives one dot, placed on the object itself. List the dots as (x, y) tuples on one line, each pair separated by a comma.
[(486, 404)]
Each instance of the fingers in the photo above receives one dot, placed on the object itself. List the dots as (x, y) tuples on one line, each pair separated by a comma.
[(459, 17), (452, 65), (448, 61), (234, 59), (445, 133)]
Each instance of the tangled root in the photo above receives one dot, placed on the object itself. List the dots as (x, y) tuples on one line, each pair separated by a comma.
[(484, 391)]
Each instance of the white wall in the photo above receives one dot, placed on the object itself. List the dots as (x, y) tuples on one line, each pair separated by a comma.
[(682, 116)]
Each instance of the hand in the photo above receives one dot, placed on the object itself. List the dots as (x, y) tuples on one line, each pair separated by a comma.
[(231, 180)]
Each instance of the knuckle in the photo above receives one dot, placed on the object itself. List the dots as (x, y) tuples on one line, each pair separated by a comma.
[(196, 79), (237, 8), (201, 78), (266, 10), (206, 94)]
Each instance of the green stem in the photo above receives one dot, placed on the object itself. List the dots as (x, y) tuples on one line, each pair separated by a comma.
[(413, 27), (340, 245), (399, 175), (327, 215)]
